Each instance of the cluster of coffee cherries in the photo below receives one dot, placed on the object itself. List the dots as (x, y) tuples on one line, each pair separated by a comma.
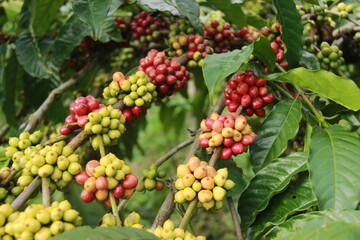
[(37, 222), (222, 35), (57, 162), (134, 91), (151, 174), (109, 175), (165, 232), (198, 47), (249, 91), (10, 190), (147, 28), (198, 179), (123, 59), (231, 132), (168, 76), (330, 56), (178, 45), (79, 113), (124, 26), (246, 34), (108, 220), (278, 46), (180, 27), (107, 125), (216, 15)]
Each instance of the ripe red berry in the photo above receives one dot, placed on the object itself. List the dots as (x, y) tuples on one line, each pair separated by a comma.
[(233, 106), (204, 142), (226, 153), (82, 120), (260, 112), (228, 142), (246, 100), (81, 178), (257, 103), (80, 109), (238, 148), (268, 99), (93, 104), (130, 181), (101, 183), (87, 196), (119, 191), (242, 88), (249, 111), (253, 91), (65, 130), (232, 83), (246, 140)]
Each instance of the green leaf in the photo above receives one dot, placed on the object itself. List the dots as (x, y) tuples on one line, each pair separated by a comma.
[(71, 34), (264, 52), (105, 233), (8, 78), (310, 60), (267, 182), (334, 167), (274, 133), (235, 174), (291, 29), (187, 8), (296, 198), (92, 12), (43, 12), (316, 230), (29, 56), (255, 21), (341, 90), (233, 12), (219, 66), (12, 9), (312, 1), (90, 212), (115, 4), (297, 222)]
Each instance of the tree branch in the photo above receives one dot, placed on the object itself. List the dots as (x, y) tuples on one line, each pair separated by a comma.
[(45, 182), (235, 218), (36, 117), (25, 195)]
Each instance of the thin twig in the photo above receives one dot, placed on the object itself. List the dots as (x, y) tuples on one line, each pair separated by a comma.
[(45, 191), (189, 212), (53, 140), (36, 117), (25, 195), (215, 156), (165, 211), (235, 218), (114, 209)]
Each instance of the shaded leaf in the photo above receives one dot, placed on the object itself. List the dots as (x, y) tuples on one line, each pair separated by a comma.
[(92, 12), (264, 52), (43, 12), (71, 34), (233, 12), (309, 60), (341, 90), (255, 21), (334, 167), (267, 182), (115, 4), (291, 29), (296, 198), (29, 56), (274, 133), (219, 66), (106, 233)]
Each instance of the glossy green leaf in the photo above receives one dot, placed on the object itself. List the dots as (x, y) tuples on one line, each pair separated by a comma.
[(264, 52), (233, 12), (105, 233), (187, 8), (295, 198), (334, 167), (274, 133), (92, 12), (115, 4), (309, 60), (235, 174), (29, 56), (43, 12), (341, 90), (12, 9), (297, 222), (291, 29), (219, 66), (71, 34), (9, 73), (267, 182)]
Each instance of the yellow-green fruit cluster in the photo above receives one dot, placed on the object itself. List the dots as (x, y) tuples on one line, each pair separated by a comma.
[(344, 9), (123, 59), (168, 231), (108, 220), (178, 45), (133, 220), (37, 222), (134, 91), (10, 190), (101, 80), (198, 179), (108, 123), (330, 57), (181, 27), (151, 174), (216, 15)]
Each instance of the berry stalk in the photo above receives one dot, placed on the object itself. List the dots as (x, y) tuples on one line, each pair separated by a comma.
[(114, 209), (25, 195), (235, 218)]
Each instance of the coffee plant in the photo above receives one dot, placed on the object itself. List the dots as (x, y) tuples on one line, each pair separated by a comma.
[(100, 100)]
